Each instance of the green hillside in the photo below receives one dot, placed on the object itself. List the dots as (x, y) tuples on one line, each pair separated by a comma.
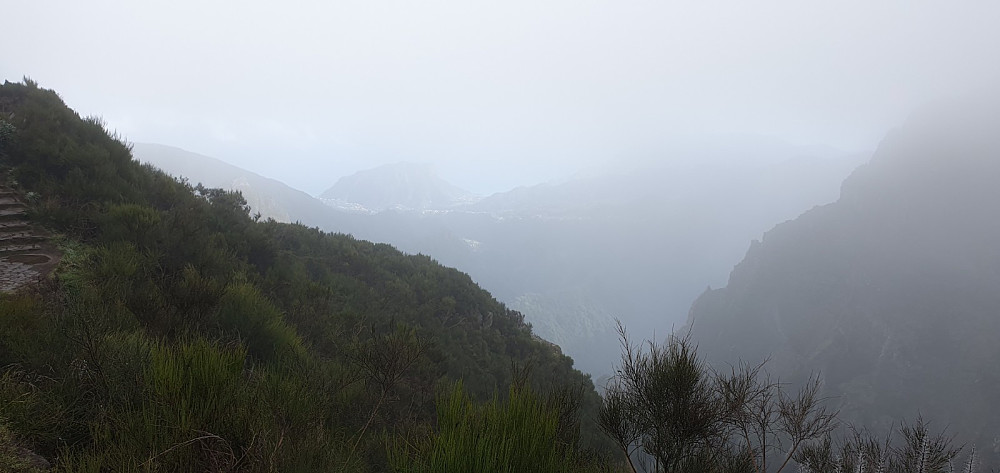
[(179, 333)]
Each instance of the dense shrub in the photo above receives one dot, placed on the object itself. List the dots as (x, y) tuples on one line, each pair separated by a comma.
[(180, 334)]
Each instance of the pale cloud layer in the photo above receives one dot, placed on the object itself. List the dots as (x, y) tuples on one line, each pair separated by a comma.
[(495, 93)]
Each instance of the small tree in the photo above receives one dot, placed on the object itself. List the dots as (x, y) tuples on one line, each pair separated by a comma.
[(919, 452), (384, 359), (665, 406)]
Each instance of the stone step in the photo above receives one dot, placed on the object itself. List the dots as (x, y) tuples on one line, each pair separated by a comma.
[(14, 226), (12, 214), (12, 206), (20, 238), (11, 249), (24, 230)]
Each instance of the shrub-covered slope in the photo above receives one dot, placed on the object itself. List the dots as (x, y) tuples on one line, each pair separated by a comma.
[(893, 291), (179, 334)]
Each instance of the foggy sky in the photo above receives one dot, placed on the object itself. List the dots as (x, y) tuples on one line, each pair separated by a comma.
[(496, 94)]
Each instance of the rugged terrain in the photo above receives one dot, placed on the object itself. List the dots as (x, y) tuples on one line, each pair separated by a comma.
[(891, 291)]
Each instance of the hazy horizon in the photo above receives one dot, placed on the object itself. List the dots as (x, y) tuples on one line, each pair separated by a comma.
[(496, 95), (681, 235)]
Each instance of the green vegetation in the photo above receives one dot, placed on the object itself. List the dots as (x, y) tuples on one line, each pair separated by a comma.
[(13, 457), (669, 412), (666, 404), (919, 451), (6, 132), (523, 433), (180, 334)]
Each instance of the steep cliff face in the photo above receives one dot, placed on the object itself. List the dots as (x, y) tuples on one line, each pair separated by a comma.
[(893, 291)]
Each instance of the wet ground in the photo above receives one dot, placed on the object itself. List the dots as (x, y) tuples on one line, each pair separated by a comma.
[(25, 253)]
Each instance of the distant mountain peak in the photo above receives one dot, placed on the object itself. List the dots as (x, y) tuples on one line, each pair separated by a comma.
[(268, 197), (402, 186)]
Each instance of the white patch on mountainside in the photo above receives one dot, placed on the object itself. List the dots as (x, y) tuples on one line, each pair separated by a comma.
[(349, 207), (473, 244)]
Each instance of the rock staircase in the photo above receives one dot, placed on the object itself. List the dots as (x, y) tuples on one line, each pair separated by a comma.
[(25, 254)]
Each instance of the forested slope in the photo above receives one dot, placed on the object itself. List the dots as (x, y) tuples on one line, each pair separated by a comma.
[(179, 334)]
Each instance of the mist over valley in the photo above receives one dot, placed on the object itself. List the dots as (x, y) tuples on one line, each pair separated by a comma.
[(574, 256), (597, 237)]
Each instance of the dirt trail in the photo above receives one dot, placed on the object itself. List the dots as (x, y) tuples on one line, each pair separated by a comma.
[(26, 255)]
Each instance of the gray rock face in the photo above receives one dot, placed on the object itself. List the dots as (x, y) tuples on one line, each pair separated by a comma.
[(892, 291)]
